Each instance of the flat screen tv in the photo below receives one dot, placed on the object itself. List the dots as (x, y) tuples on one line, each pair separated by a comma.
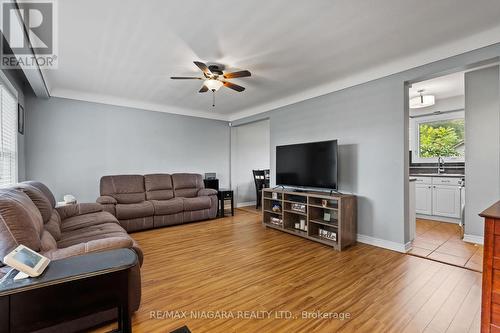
[(307, 165)]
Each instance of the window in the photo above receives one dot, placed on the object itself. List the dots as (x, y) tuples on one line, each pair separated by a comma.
[(8, 137), (440, 136)]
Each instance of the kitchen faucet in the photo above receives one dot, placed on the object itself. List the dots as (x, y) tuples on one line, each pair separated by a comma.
[(440, 165)]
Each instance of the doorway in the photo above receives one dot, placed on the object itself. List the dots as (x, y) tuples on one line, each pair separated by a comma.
[(250, 150), (438, 156)]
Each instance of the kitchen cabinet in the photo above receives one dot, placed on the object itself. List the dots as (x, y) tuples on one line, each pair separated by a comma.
[(446, 201), (423, 199), (439, 196)]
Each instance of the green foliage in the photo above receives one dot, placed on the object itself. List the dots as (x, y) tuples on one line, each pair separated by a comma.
[(441, 138)]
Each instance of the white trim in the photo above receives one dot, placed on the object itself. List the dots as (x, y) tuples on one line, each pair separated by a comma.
[(438, 218), (130, 103), (390, 245), (408, 247), (245, 204), (474, 239), (447, 50)]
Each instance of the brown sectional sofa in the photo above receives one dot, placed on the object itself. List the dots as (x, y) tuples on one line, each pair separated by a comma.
[(28, 216), (157, 200)]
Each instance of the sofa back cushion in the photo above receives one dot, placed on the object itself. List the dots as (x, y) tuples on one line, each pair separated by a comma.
[(158, 186), (125, 189), (20, 222), (44, 189), (187, 185), (39, 199)]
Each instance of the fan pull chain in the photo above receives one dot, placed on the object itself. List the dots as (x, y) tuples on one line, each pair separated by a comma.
[(213, 98)]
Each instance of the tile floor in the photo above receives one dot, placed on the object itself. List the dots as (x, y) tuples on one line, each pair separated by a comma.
[(442, 242)]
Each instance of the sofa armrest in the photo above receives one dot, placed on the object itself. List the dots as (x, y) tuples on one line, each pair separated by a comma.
[(78, 209), (98, 245), (106, 200), (206, 192)]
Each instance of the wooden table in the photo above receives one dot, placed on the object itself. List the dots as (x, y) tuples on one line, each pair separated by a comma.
[(490, 306), (68, 289)]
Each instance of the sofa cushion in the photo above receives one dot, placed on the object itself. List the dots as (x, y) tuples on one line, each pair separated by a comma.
[(67, 211), (44, 189), (135, 210), (167, 207), (89, 233), (48, 243), (158, 186), (187, 185), (206, 192), (39, 199), (54, 225), (85, 220), (197, 203), (20, 222), (125, 189)]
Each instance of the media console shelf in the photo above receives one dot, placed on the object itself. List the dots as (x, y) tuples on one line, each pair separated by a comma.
[(323, 218)]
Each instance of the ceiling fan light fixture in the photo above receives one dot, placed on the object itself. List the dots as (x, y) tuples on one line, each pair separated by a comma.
[(213, 84), (422, 101)]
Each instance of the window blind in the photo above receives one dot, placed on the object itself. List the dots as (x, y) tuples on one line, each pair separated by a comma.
[(8, 138)]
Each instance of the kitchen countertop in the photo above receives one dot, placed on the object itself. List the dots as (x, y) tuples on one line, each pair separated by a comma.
[(454, 175)]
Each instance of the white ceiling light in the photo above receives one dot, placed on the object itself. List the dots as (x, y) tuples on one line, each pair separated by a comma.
[(213, 85), (422, 101)]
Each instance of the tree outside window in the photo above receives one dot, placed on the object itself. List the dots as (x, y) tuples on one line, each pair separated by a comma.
[(444, 138)]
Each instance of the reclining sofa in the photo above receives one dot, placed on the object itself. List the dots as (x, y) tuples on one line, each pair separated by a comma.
[(157, 200), (29, 216)]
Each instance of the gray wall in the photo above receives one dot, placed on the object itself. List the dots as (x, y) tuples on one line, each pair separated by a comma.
[(71, 144), (371, 123), (250, 146), (371, 162), (482, 145)]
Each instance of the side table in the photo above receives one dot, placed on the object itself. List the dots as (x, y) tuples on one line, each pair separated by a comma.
[(68, 289), (223, 195)]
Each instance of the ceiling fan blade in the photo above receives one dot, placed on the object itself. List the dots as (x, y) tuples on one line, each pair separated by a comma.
[(203, 68), (185, 78), (233, 86), (203, 89), (237, 74)]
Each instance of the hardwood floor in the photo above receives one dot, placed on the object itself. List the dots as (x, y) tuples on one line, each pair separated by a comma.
[(235, 264), (442, 241), (251, 209)]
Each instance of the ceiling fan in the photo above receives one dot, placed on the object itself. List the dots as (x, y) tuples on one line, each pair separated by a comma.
[(214, 78)]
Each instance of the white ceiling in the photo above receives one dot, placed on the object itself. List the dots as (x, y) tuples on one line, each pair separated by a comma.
[(123, 52), (441, 87)]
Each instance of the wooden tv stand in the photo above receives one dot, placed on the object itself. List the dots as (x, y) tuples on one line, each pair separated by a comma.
[(317, 227)]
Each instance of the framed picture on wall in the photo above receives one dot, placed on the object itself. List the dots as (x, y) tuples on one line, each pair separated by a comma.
[(20, 119)]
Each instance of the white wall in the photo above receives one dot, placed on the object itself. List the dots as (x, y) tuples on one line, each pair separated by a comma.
[(482, 145), (72, 144), (250, 149)]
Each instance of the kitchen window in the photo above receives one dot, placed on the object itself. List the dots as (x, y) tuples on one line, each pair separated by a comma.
[(439, 136), (8, 135)]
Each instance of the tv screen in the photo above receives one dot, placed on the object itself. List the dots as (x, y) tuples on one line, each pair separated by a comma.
[(307, 165)]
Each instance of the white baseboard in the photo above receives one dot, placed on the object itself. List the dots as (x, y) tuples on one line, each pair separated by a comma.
[(438, 218), (248, 203), (390, 245), (474, 239)]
